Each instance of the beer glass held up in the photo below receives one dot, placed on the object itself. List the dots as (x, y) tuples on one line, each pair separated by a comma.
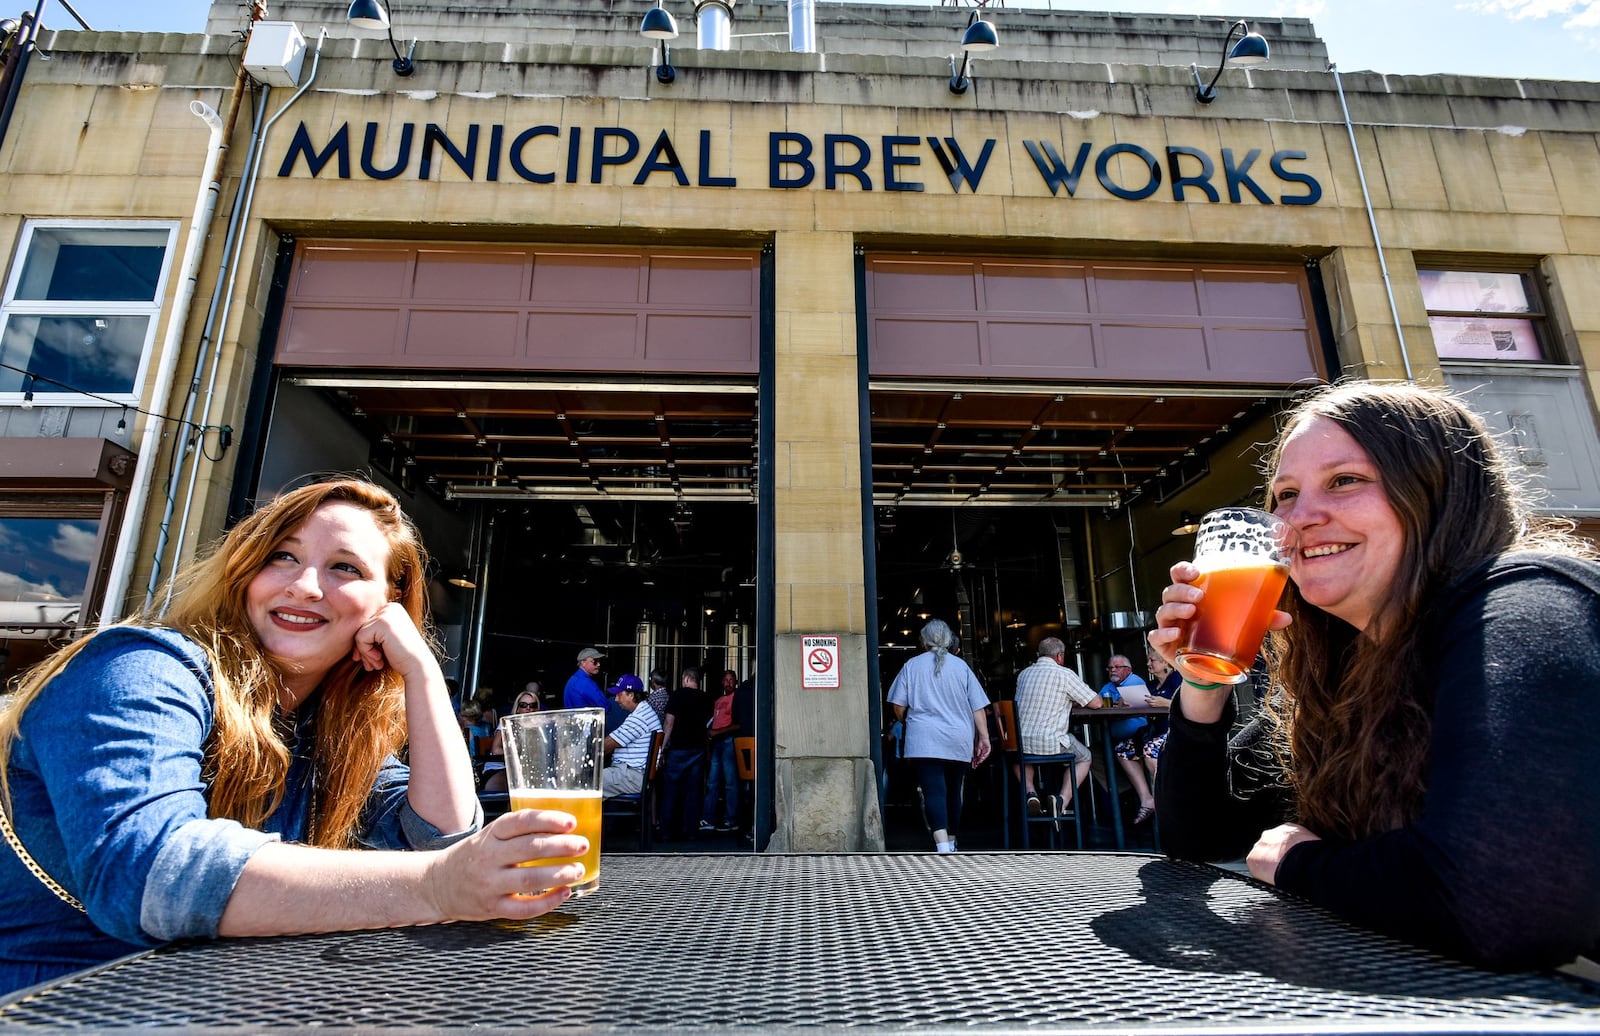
[(553, 761), (1243, 556)]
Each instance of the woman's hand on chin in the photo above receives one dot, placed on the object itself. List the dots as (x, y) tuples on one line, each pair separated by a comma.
[(391, 640)]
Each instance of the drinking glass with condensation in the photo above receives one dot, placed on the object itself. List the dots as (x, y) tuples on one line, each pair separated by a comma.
[(1243, 556), (553, 761)]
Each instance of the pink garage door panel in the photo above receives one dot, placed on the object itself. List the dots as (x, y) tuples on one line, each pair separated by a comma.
[(438, 334), (1064, 346), (918, 346), (487, 307), (330, 335), (911, 287), (670, 337), (1145, 291), (582, 338), (565, 278), (1035, 289), (701, 281), (470, 276), (956, 317), (1154, 350), (1259, 295), (1270, 353), (332, 272)]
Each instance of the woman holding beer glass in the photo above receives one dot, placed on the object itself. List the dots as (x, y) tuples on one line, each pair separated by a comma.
[(1427, 618), (213, 773)]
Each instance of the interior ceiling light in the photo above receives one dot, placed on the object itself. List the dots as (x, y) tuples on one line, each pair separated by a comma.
[(1251, 49), (370, 14), (979, 37), (1188, 525)]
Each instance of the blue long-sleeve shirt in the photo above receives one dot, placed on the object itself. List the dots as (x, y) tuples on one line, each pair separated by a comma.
[(108, 797)]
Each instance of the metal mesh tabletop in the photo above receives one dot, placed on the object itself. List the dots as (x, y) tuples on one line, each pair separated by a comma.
[(876, 943)]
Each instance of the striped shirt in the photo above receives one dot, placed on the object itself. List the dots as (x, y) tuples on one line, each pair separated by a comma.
[(1046, 693)]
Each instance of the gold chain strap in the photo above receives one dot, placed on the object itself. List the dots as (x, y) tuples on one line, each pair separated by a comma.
[(28, 861)]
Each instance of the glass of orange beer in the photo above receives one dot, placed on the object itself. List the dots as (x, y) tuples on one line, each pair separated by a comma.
[(1243, 556), (553, 761)]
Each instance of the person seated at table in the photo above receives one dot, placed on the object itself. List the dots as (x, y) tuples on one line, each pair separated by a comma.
[(628, 747), (1129, 732), (1046, 692), (1158, 695), (1412, 773), (214, 772), (494, 767)]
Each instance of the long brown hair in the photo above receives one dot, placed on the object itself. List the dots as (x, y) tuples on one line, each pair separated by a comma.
[(1352, 725), (360, 716)]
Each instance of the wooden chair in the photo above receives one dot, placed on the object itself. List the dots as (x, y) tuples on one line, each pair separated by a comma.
[(1011, 748), (744, 757), (642, 805)]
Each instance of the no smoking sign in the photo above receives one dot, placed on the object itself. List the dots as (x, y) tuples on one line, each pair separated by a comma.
[(819, 662)]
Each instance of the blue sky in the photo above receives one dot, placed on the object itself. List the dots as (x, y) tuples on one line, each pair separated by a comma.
[(1544, 39)]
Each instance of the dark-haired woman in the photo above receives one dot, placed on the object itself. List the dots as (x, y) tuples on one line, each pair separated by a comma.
[(1413, 772), (214, 774)]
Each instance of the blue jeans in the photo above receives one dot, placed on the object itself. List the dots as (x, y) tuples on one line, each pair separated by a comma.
[(942, 781), (682, 775), (724, 780)]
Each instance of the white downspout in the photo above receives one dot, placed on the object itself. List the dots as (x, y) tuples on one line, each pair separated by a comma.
[(1372, 221), (144, 464), (249, 187)]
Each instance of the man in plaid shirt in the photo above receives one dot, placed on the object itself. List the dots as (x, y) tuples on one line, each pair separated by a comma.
[(1046, 692)]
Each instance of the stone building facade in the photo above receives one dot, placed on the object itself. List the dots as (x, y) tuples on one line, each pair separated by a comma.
[(760, 366)]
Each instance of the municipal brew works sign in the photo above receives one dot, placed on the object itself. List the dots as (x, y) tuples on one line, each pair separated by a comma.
[(794, 161)]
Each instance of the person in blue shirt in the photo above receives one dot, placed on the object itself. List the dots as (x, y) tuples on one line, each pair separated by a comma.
[(213, 774), (583, 689)]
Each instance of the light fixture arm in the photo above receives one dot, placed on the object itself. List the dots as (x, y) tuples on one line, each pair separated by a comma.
[(958, 79), (1208, 93), (665, 73), (403, 65)]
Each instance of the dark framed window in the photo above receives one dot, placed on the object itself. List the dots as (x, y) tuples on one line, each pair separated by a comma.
[(80, 310), (1493, 315)]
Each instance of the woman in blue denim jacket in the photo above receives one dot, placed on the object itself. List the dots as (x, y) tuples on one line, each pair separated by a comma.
[(211, 776)]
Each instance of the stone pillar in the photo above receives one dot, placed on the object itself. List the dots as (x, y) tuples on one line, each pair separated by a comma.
[(826, 788)]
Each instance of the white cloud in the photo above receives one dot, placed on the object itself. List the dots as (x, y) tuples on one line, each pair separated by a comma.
[(15, 588), (74, 542), (1584, 13)]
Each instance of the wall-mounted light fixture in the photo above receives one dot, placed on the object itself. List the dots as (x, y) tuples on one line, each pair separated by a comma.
[(1251, 49), (369, 14), (980, 36), (463, 580), (658, 24)]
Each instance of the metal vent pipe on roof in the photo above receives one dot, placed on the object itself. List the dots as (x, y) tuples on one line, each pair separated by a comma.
[(803, 26), (715, 21)]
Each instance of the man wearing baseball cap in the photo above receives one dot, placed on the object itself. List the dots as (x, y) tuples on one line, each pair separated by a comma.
[(583, 690), (628, 747)]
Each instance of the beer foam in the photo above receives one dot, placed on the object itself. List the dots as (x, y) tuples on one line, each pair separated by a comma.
[(558, 793), (1236, 559)]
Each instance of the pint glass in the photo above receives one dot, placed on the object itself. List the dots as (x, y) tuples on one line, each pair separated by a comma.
[(1243, 557), (553, 761)]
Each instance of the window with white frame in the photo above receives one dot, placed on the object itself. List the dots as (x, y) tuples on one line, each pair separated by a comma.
[(1491, 315), (80, 310)]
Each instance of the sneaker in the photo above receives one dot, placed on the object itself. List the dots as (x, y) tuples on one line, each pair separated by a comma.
[(706, 825), (1035, 807), (724, 828), (944, 847)]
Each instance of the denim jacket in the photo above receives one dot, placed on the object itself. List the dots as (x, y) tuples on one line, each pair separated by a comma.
[(107, 796)]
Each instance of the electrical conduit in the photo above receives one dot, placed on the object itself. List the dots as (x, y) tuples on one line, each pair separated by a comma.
[(219, 327)]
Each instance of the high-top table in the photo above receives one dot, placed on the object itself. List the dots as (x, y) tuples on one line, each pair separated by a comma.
[(977, 943), (1102, 718)]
